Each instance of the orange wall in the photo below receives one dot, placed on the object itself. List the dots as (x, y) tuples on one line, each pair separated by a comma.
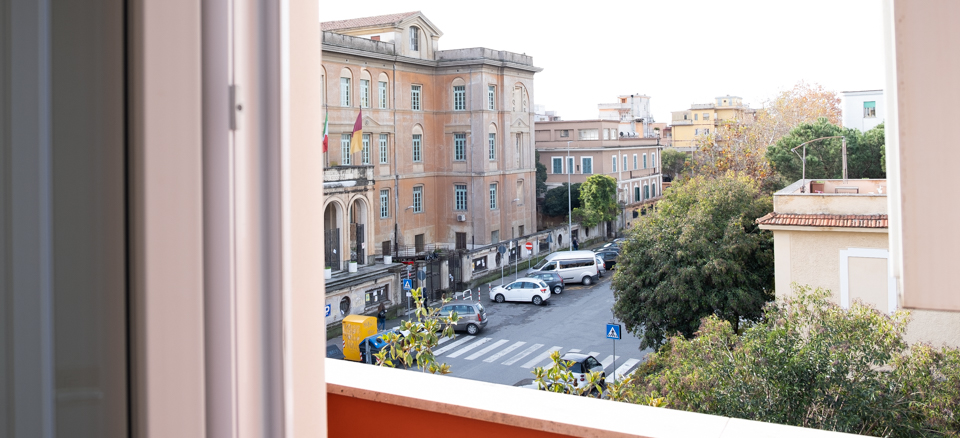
[(349, 417)]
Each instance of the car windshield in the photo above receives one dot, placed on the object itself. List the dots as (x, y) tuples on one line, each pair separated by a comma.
[(541, 264)]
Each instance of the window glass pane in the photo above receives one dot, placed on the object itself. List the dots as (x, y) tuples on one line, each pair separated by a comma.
[(459, 147), (491, 97), (587, 165), (418, 199), (459, 98), (364, 93), (569, 164), (415, 97), (383, 148), (557, 165), (384, 203), (492, 146), (365, 153), (345, 149), (383, 95), (460, 195), (417, 149), (493, 196), (344, 91)]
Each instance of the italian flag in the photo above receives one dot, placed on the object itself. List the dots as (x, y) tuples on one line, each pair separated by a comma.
[(326, 131)]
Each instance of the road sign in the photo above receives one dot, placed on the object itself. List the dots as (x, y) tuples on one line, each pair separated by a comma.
[(407, 284), (502, 249), (529, 246), (549, 238), (328, 310), (421, 275), (613, 331)]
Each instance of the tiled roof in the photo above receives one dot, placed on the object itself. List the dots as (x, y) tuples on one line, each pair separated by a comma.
[(378, 20), (825, 220)]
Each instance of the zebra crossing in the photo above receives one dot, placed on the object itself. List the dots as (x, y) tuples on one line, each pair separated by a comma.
[(503, 352)]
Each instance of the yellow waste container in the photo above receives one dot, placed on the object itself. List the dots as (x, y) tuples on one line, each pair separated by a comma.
[(356, 328)]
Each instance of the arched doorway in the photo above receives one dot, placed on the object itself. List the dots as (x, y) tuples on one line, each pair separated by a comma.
[(332, 224), (358, 231)]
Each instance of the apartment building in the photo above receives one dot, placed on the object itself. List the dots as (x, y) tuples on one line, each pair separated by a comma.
[(703, 119), (595, 147), (633, 113), (863, 110), (447, 134), (834, 234)]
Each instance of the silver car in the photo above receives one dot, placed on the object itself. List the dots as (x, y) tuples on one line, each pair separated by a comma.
[(525, 289)]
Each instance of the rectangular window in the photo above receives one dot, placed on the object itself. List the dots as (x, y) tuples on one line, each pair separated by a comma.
[(383, 95), (624, 163), (418, 243), (606, 134), (460, 197), (418, 199), (644, 161), (635, 162), (870, 109), (383, 149), (557, 165), (415, 97), (491, 97), (636, 194), (589, 134), (344, 91), (492, 146), (614, 163), (587, 164), (417, 149), (706, 132), (364, 93), (459, 147), (696, 132), (414, 39), (696, 117), (706, 116), (495, 236), (385, 203), (646, 192), (459, 98), (564, 133), (345, 149), (570, 165), (365, 154), (493, 196)]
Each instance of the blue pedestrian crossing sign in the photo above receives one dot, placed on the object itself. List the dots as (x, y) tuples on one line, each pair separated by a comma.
[(613, 331), (407, 284)]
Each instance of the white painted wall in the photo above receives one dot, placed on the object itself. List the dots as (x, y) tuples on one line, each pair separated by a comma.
[(851, 102)]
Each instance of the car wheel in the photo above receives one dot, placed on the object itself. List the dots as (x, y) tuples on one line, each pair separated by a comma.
[(587, 281), (558, 289), (537, 300), (472, 329), (499, 298)]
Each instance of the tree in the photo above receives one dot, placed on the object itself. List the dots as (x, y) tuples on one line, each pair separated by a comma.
[(555, 203), (599, 199), (810, 363), (825, 157), (541, 176), (414, 345), (732, 147), (699, 253), (673, 162), (804, 103)]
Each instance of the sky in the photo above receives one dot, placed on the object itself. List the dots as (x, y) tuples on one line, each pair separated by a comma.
[(677, 52)]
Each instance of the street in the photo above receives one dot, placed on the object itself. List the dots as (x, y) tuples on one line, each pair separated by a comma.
[(521, 336)]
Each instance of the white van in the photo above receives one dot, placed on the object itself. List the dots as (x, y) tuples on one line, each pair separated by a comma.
[(573, 266)]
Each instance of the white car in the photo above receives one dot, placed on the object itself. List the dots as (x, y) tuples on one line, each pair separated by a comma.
[(524, 289)]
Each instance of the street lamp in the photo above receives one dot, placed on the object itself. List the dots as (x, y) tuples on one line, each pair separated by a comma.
[(803, 159), (569, 199)]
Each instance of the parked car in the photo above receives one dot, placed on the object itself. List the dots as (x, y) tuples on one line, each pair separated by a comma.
[(524, 289), (573, 266), (582, 365), (608, 247), (471, 316), (554, 280), (602, 267), (608, 258)]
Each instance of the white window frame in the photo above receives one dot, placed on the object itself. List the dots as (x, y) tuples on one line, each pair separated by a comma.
[(493, 196), (492, 146), (644, 161), (570, 161), (624, 162), (364, 93), (417, 147), (491, 97), (365, 152), (635, 162), (588, 134), (414, 38), (415, 95), (460, 197), (553, 165), (384, 203), (418, 199), (345, 92), (383, 149), (459, 97), (345, 149), (382, 88), (583, 165), (459, 147), (615, 158)]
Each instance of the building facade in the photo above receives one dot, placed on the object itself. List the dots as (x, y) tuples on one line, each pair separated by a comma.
[(834, 235), (448, 134), (704, 119), (596, 147), (863, 110), (633, 113)]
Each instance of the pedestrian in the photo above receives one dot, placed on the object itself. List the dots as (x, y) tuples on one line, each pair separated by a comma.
[(381, 317), (576, 245)]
